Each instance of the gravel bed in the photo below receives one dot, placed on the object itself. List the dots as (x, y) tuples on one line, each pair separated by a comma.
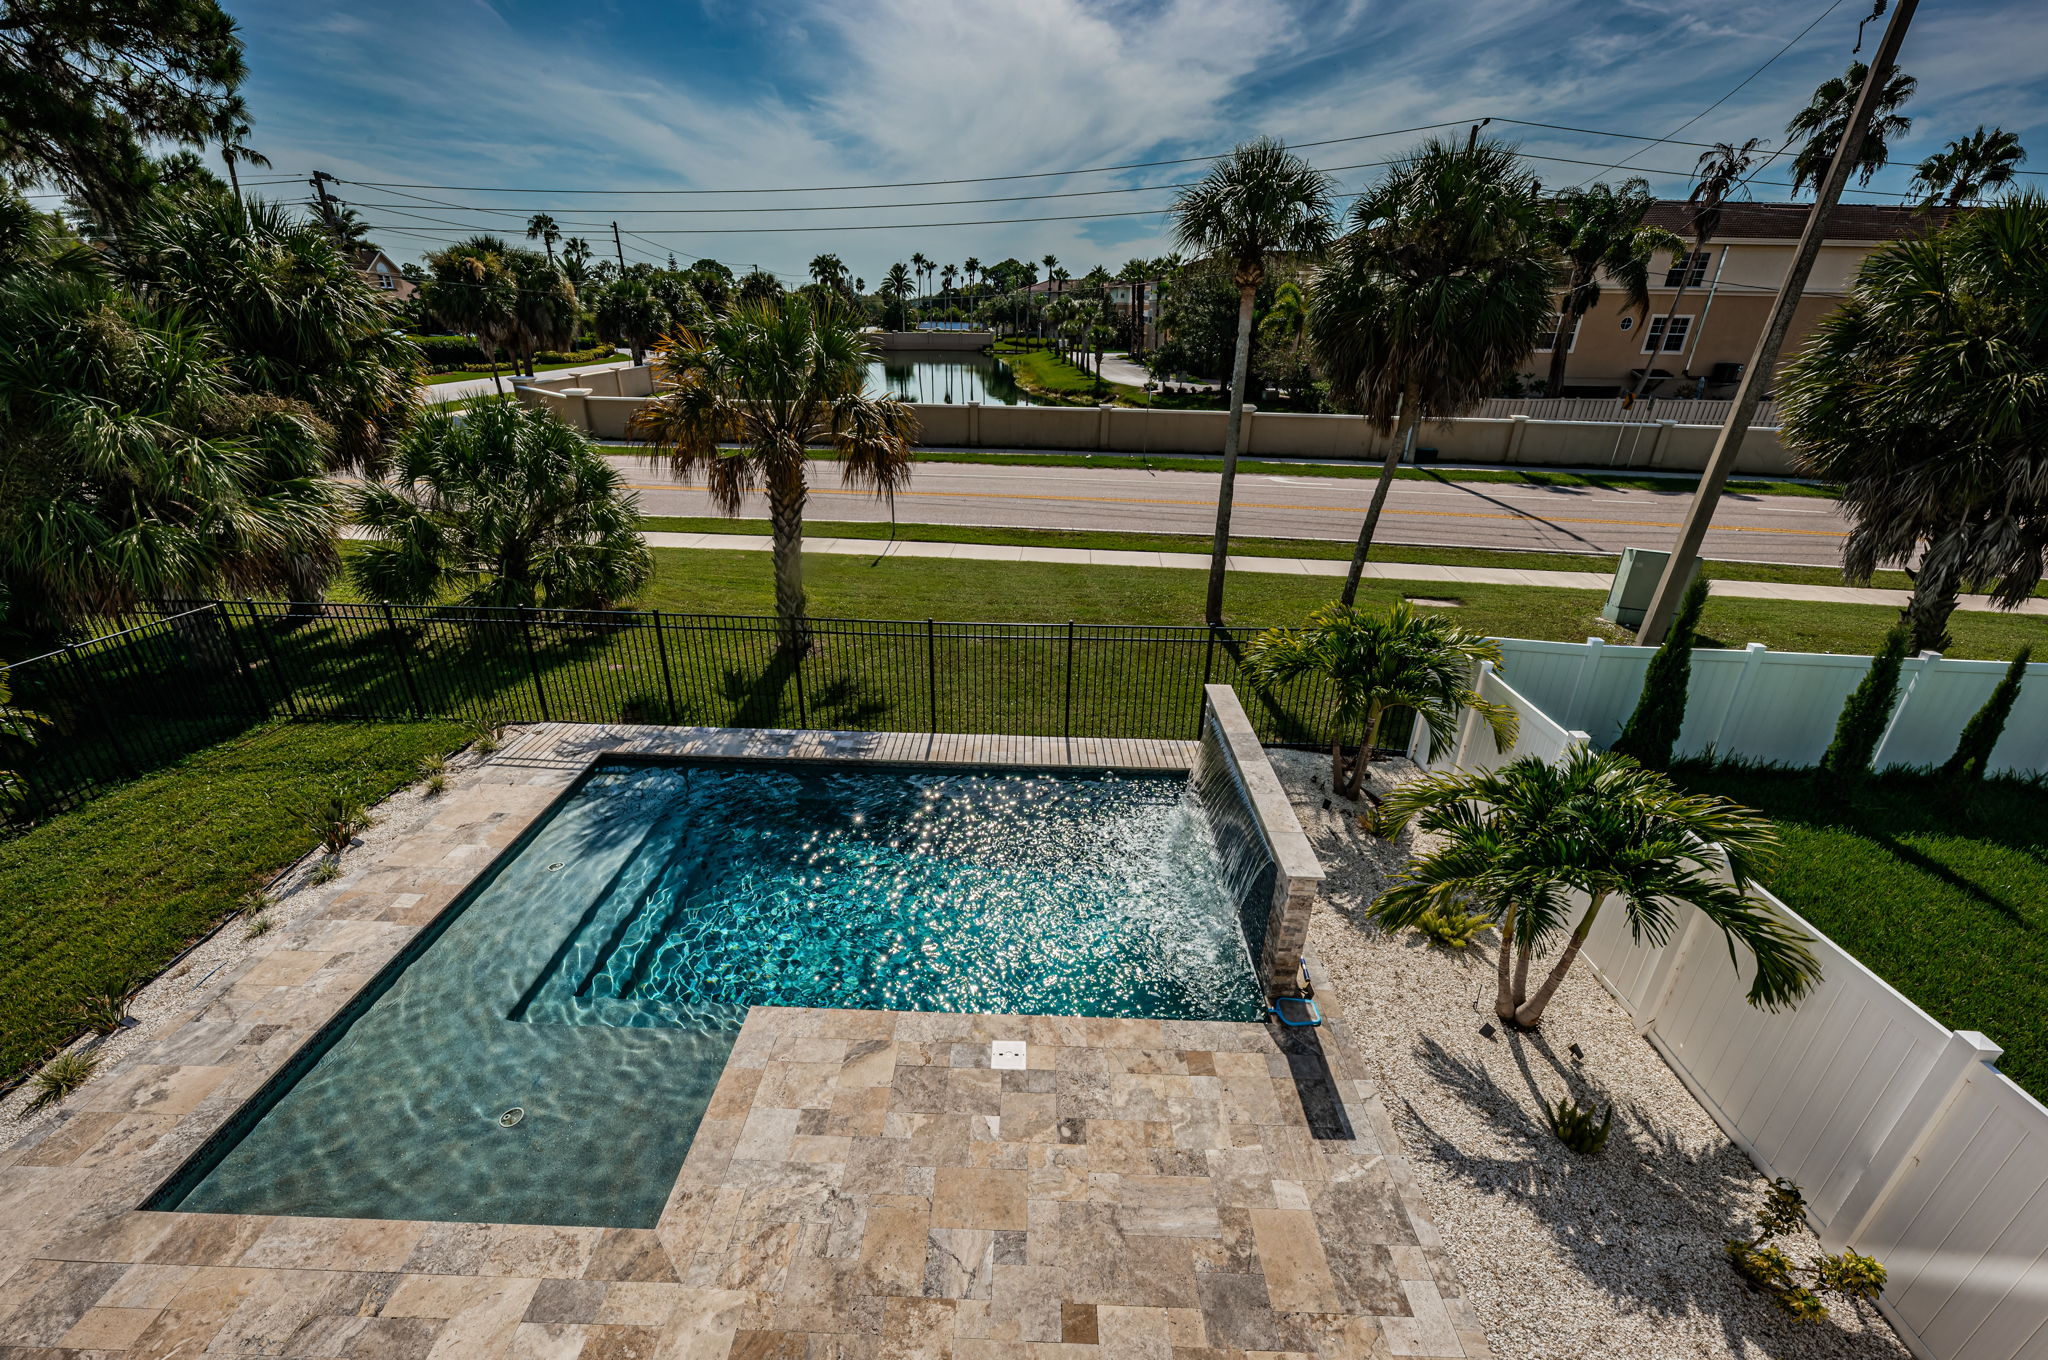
[(1560, 1255), (205, 972)]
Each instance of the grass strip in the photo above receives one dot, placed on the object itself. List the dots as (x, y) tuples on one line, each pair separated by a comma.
[(96, 901), (1942, 893)]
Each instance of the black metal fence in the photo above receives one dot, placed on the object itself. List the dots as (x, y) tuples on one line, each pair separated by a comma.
[(184, 677)]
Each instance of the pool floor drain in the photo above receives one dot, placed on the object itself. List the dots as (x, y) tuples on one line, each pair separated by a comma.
[(556, 866), (511, 1117)]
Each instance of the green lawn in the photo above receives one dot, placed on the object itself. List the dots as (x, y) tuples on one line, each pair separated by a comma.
[(1942, 895), (96, 901), (508, 373), (1045, 374), (1328, 550)]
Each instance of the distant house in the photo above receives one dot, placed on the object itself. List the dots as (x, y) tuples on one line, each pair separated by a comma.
[(1700, 347), (380, 273)]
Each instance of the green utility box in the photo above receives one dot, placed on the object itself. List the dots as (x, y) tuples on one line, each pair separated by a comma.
[(1635, 581)]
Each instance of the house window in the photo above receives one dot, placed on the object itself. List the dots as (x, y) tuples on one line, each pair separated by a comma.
[(1666, 334), (1688, 270), (1548, 340), (384, 281)]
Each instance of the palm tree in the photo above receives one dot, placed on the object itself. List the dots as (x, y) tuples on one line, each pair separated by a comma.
[(946, 276), (1261, 200), (21, 727), (231, 125), (1518, 841), (1052, 274), (1924, 395), (1439, 289), (544, 311), (1380, 663), (829, 271), (506, 506), (576, 261), (777, 378), (472, 289), (895, 291), (543, 228), (1598, 231), (972, 267), (1826, 117), (137, 466), (1716, 174), (629, 313), (289, 311), (1963, 170), (920, 266)]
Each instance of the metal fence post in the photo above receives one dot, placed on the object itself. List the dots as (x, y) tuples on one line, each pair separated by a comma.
[(259, 706), (668, 682), (931, 670), (270, 661), (1067, 718), (533, 664), (412, 689), (803, 713)]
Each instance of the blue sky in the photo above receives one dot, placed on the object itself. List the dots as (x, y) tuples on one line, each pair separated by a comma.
[(617, 95)]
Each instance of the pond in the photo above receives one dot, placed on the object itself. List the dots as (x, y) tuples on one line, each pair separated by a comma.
[(943, 378)]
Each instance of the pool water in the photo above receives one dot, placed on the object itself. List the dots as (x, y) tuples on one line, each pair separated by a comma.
[(595, 980)]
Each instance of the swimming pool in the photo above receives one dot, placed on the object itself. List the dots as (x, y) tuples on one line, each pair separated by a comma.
[(545, 1052)]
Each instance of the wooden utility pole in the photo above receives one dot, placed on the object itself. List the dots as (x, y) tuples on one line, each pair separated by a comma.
[(618, 249), (1763, 364)]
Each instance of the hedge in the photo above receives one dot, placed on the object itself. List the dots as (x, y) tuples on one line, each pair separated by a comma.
[(453, 353)]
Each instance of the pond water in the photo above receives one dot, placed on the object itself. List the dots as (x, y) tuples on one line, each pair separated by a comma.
[(946, 378)]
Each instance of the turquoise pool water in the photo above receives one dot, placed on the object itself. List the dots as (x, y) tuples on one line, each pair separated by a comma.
[(595, 981)]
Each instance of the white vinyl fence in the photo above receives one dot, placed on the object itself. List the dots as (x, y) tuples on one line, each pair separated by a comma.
[(1762, 705), (1911, 1146)]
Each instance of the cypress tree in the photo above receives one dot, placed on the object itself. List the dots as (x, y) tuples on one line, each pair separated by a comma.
[(1981, 732), (1652, 729), (1864, 715)]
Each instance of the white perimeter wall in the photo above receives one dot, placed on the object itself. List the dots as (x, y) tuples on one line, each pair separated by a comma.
[(1781, 706), (1911, 1146)]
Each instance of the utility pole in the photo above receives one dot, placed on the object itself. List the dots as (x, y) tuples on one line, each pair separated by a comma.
[(1763, 364), (320, 181), (1472, 137), (618, 249)]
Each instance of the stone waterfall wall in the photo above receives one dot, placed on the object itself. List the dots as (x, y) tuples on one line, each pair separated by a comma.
[(1269, 863)]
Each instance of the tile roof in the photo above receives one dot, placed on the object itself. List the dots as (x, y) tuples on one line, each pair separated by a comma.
[(1784, 221)]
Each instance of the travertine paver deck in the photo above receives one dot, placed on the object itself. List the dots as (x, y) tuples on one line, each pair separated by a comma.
[(866, 1183)]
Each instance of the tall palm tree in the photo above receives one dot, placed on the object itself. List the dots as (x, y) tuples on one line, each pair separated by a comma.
[(1439, 288), (1518, 841), (544, 310), (1260, 200), (920, 265), (1597, 231), (576, 260), (1924, 395), (1716, 174), (629, 313), (1376, 664), (895, 291), (777, 379), (1967, 167), (972, 267), (543, 228), (1052, 274), (471, 288), (231, 126), (508, 506), (1826, 117), (946, 276)]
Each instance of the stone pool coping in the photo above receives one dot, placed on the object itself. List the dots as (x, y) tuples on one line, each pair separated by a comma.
[(787, 1233)]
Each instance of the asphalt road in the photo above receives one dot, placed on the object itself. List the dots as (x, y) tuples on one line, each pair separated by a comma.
[(1465, 514)]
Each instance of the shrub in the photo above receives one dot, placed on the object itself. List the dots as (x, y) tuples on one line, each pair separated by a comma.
[(1451, 929), (1660, 711), (261, 923), (1574, 1126), (1981, 733), (1865, 713), (103, 1014), (337, 818), (1770, 1268), (61, 1076)]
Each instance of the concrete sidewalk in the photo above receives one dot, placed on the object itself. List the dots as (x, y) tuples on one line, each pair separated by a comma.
[(1302, 566)]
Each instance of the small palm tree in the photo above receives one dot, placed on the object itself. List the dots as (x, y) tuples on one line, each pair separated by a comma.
[(1438, 291), (505, 506), (778, 379), (1924, 396), (1519, 841), (471, 288), (20, 726), (1826, 117), (1716, 174), (543, 228), (1598, 232), (1376, 664), (629, 313), (231, 126), (895, 290), (1261, 200), (1967, 167)]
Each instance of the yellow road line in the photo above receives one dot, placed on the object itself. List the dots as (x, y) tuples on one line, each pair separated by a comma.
[(1320, 509)]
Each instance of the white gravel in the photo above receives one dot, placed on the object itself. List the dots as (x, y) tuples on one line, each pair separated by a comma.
[(1560, 1255)]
